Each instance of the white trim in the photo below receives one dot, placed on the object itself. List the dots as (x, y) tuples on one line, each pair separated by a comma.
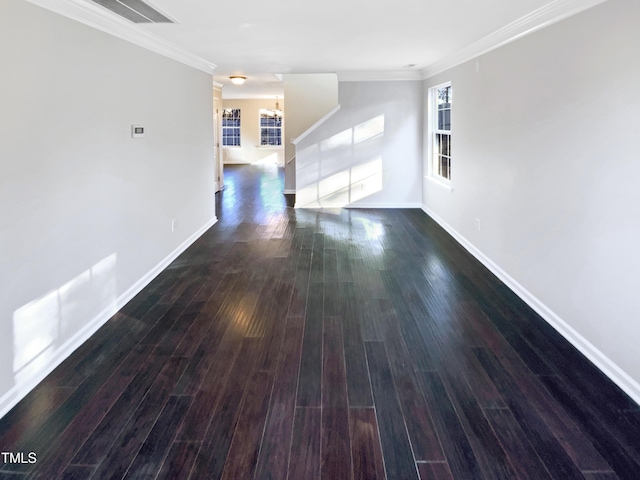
[(384, 205), (380, 76), (91, 14), (599, 359), (440, 183), (18, 392), (365, 205), (432, 130), (296, 140), (540, 18), (260, 127), (289, 191)]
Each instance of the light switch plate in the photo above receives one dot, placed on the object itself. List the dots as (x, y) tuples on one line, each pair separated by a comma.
[(137, 131)]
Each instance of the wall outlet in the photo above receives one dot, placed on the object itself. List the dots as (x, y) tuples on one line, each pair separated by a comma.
[(477, 224), (173, 225)]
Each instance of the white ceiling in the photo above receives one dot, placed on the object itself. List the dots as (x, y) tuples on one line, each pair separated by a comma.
[(259, 38)]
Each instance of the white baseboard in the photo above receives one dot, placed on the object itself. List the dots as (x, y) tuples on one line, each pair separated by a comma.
[(599, 359), (367, 205), (19, 391), (385, 205)]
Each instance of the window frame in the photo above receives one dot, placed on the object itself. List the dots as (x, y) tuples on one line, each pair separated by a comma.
[(435, 154), (276, 128), (225, 128)]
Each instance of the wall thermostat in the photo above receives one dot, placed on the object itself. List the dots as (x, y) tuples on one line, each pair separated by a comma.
[(137, 131)]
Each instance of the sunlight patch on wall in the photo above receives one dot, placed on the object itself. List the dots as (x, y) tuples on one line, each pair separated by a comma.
[(329, 173), (40, 326), (333, 184), (343, 188), (366, 179), (369, 129), (339, 140)]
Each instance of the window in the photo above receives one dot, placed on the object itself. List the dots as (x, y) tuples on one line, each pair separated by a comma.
[(440, 102), (230, 127), (270, 127)]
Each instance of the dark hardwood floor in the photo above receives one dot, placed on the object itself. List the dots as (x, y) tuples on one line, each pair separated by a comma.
[(338, 345)]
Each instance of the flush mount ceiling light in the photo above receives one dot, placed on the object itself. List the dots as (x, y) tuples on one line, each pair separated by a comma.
[(237, 79)]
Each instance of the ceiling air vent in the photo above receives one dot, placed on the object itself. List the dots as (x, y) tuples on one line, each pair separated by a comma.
[(135, 10)]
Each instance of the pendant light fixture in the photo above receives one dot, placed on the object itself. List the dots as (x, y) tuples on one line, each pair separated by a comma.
[(277, 110)]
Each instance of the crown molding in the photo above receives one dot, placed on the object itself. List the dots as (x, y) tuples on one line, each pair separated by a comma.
[(379, 76), (538, 19), (94, 16)]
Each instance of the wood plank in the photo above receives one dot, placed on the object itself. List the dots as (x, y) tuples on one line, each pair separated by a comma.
[(45, 438), (334, 380), (396, 447), (212, 387), (97, 446), (434, 471), (77, 472), (335, 444), (304, 461), (217, 440), (298, 301), (486, 447), (619, 451), (30, 413), (150, 457), (91, 415), (357, 373), (132, 437), (275, 322), (523, 457), (310, 379), (276, 441), (422, 432), (557, 461), (330, 284), (245, 445), (600, 476), (460, 455), (179, 460), (366, 450), (573, 440)]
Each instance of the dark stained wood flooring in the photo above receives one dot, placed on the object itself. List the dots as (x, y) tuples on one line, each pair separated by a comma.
[(337, 345)]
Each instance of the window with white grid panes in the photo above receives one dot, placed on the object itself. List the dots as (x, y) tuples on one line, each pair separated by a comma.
[(441, 99), (230, 127), (270, 127)]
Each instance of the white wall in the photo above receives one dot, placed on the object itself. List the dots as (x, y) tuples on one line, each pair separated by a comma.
[(309, 98), (546, 154), (368, 153), (250, 150), (86, 210)]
